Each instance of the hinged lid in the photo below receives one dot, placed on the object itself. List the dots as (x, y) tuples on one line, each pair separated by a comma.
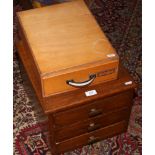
[(64, 37)]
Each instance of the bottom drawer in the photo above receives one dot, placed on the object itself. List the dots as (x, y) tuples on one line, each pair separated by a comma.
[(92, 137)]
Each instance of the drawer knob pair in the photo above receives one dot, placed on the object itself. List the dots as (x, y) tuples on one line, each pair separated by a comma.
[(94, 112)]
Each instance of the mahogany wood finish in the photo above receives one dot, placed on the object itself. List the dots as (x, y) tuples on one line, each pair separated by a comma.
[(92, 109), (91, 124), (90, 138)]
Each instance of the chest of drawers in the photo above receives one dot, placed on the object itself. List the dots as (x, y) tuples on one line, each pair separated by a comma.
[(86, 120), (76, 119)]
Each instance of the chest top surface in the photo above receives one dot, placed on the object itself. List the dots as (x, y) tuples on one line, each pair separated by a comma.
[(63, 36)]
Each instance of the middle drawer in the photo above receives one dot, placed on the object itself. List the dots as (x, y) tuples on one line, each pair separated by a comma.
[(92, 124)]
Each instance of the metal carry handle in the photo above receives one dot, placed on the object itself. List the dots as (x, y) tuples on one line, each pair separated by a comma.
[(82, 84)]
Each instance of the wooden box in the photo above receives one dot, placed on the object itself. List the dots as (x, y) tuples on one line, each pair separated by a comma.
[(64, 48)]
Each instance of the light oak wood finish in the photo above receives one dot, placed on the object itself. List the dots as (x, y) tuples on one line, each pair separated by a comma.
[(65, 42)]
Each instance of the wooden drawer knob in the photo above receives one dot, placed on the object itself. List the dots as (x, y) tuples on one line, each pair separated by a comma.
[(94, 112), (92, 140), (93, 126)]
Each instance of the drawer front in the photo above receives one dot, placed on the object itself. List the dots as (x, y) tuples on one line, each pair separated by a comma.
[(92, 124), (93, 109), (93, 137), (103, 72)]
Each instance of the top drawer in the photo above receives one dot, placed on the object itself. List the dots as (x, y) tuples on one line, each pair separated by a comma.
[(93, 109)]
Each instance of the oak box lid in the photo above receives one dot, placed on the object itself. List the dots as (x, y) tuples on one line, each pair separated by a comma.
[(64, 36)]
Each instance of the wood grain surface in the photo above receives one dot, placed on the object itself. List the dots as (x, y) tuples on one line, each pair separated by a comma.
[(65, 43)]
